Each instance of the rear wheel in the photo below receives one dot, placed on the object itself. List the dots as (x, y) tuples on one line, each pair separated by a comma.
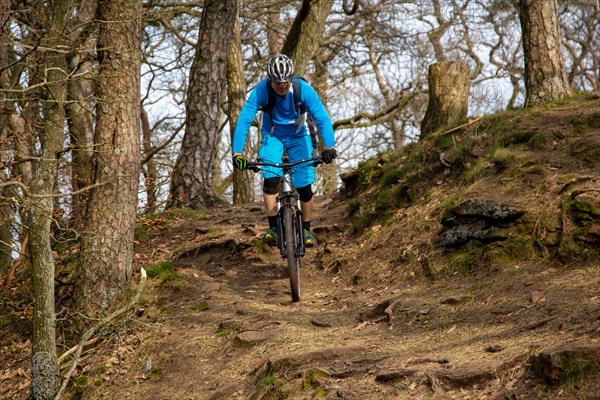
[(290, 236)]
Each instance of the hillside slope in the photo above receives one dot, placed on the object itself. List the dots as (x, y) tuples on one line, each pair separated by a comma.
[(463, 267)]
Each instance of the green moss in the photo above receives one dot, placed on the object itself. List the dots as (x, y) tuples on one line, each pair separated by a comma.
[(313, 378), (519, 247), (80, 381)]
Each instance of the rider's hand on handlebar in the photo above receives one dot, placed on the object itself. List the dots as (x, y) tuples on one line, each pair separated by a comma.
[(328, 155), (240, 162)]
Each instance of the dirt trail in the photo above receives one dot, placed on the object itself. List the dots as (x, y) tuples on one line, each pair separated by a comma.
[(230, 330)]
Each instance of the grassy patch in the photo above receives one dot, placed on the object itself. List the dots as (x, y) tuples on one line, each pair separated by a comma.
[(141, 233), (478, 170), (269, 387), (461, 262), (261, 246), (528, 138), (444, 142), (360, 222), (157, 219), (575, 371), (5, 321), (163, 271), (502, 158), (353, 207)]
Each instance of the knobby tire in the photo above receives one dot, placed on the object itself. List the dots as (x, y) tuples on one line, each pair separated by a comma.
[(293, 259)]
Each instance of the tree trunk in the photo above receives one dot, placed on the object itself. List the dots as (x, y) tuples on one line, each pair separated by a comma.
[(5, 207), (191, 183), (448, 95), (304, 38), (107, 246), (301, 45), (327, 172), (81, 128), (149, 169), (44, 372), (243, 190), (545, 72)]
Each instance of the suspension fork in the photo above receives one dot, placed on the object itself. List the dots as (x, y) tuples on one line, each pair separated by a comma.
[(290, 199)]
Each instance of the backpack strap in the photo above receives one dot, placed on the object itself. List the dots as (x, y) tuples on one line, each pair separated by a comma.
[(301, 109), (267, 108), (303, 114)]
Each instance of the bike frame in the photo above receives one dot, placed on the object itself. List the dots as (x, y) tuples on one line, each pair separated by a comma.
[(288, 197), (291, 235)]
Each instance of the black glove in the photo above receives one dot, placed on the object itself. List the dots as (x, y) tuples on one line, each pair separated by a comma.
[(240, 162), (328, 155)]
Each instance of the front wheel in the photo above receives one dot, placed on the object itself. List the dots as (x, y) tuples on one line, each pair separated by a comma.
[(291, 250)]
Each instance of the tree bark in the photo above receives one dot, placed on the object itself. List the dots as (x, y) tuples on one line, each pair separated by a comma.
[(301, 45), (545, 73), (44, 373), (191, 182), (5, 208), (304, 38), (243, 190), (80, 120), (149, 168), (448, 95), (106, 255), (327, 172)]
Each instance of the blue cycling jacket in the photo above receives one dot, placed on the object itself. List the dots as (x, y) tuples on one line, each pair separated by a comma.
[(284, 116)]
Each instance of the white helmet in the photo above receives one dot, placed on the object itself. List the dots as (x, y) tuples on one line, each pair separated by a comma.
[(280, 68)]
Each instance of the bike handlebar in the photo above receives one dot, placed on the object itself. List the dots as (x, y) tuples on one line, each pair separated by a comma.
[(255, 165)]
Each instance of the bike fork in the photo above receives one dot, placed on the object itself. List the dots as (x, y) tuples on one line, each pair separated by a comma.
[(287, 201)]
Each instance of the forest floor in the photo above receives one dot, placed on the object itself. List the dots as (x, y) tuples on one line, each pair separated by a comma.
[(222, 325)]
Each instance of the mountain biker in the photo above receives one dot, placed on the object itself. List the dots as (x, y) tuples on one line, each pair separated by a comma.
[(284, 129)]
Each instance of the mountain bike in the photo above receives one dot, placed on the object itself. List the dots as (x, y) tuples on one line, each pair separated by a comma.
[(289, 218)]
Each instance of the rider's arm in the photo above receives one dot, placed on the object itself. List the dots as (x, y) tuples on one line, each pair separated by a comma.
[(313, 103), (258, 97)]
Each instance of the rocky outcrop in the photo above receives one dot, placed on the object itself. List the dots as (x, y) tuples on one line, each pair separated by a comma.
[(585, 211), (477, 221)]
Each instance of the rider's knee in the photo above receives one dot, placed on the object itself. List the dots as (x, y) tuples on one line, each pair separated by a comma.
[(306, 193), (270, 185)]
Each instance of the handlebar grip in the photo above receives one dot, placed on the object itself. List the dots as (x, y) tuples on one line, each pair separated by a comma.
[(252, 167)]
